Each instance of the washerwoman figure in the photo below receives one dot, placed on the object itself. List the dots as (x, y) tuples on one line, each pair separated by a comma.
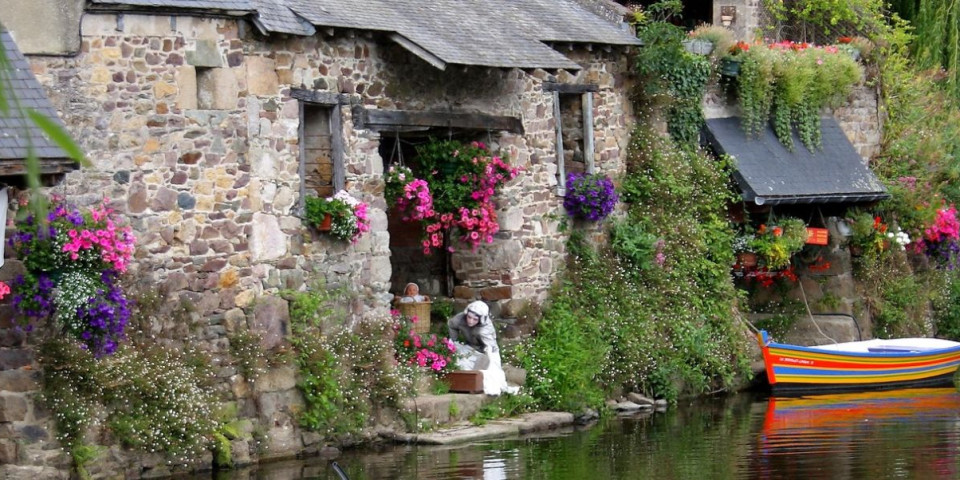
[(476, 339)]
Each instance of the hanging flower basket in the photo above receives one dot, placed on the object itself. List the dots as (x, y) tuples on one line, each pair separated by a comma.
[(730, 67)]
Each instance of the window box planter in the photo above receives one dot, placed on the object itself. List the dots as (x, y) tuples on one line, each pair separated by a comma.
[(698, 47)]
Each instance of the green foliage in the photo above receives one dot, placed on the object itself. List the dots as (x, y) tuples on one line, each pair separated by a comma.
[(777, 244), (222, 451), (668, 330), (561, 361), (153, 398), (721, 37), (946, 310), (897, 298), (795, 84), (504, 406), (249, 356), (821, 21), (344, 372), (633, 244), (937, 44), (674, 75)]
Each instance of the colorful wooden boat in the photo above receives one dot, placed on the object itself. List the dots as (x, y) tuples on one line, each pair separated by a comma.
[(856, 366)]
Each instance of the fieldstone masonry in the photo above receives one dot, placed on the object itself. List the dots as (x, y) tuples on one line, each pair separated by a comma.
[(194, 137)]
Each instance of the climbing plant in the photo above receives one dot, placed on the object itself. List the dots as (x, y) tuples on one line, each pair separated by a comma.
[(673, 76)]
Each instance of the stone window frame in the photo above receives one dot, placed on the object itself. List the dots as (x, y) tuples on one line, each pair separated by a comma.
[(334, 102), (586, 92)]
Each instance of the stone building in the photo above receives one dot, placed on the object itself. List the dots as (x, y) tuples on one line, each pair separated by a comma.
[(197, 117), (207, 123)]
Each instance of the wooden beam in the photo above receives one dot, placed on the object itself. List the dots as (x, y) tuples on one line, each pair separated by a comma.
[(570, 88), (374, 119), (318, 97), (419, 51)]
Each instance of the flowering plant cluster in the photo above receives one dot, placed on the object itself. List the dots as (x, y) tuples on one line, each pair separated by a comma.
[(423, 351), (941, 239), (412, 195), (463, 179), (73, 261), (589, 196), (777, 244), (348, 216), (766, 278)]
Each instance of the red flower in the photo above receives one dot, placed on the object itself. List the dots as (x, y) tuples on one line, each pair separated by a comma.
[(777, 231)]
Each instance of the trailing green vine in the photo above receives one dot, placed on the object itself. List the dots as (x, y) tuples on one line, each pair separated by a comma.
[(345, 372), (670, 72)]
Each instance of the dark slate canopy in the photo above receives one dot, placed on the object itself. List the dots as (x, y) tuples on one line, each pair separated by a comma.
[(18, 134), (768, 173), (489, 33)]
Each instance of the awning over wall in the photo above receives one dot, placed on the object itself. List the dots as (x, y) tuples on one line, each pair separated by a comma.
[(770, 174)]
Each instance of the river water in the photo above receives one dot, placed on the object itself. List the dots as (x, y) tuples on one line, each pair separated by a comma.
[(899, 434)]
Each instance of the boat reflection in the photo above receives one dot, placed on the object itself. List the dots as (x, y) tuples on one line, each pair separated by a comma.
[(837, 436)]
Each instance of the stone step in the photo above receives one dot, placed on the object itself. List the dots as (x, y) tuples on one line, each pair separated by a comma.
[(463, 432), (431, 410)]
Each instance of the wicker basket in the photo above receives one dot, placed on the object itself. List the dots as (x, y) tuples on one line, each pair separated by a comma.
[(421, 310)]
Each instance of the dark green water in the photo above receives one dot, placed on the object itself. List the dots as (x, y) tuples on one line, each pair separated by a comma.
[(904, 434)]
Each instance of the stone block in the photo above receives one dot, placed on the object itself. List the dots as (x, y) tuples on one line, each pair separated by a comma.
[(13, 358), (462, 291), (19, 380), (262, 76), (13, 407), (8, 451), (45, 27), (497, 293), (271, 316), (217, 89), (186, 79), (277, 379), (268, 242), (207, 54)]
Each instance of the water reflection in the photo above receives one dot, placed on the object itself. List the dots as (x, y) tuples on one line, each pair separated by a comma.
[(901, 434)]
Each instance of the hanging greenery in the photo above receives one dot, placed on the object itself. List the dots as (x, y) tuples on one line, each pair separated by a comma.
[(673, 76), (793, 82), (937, 42)]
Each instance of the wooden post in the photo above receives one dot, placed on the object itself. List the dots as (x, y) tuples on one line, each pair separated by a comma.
[(561, 175), (588, 130), (336, 145), (302, 167)]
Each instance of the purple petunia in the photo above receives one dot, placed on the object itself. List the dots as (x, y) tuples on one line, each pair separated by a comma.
[(589, 196)]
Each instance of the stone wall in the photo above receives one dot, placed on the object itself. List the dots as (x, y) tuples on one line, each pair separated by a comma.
[(193, 136)]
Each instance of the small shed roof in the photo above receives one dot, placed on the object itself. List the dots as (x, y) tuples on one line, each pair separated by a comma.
[(769, 173), (17, 133), (490, 33)]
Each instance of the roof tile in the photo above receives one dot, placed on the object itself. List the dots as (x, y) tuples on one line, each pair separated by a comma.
[(16, 133)]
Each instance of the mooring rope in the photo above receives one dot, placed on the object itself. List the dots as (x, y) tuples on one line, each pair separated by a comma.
[(810, 313)]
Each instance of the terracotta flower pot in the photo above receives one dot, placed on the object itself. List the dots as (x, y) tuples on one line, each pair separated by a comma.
[(747, 259), (324, 226)]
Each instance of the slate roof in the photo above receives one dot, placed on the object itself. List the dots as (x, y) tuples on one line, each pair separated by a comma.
[(768, 173), (491, 33), (16, 132)]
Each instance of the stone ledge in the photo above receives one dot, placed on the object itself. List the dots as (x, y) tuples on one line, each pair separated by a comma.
[(464, 432)]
